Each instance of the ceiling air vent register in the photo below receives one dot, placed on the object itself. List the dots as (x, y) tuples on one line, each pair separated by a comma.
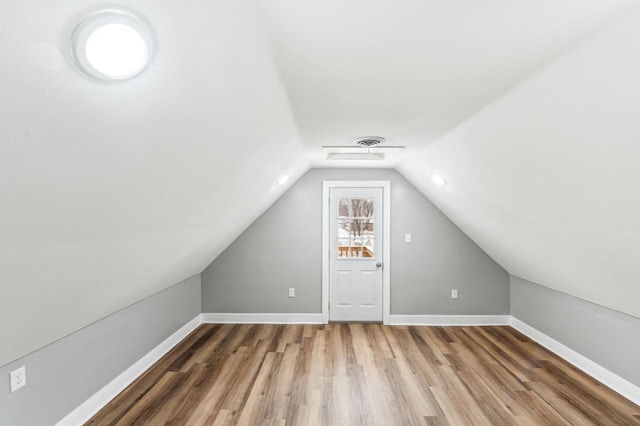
[(367, 148), (369, 141)]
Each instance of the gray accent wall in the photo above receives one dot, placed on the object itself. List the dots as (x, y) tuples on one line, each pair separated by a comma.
[(64, 374), (608, 338), (282, 249)]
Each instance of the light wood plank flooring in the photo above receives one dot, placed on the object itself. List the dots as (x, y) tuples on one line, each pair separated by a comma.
[(364, 374)]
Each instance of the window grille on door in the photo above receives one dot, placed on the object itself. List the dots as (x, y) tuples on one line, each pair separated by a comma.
[(355, 224)]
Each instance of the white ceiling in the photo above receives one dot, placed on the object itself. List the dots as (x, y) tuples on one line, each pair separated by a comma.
[(412, 70), (111, 192), (546, 178)]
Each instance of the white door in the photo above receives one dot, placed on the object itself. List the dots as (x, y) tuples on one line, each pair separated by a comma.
[(355, 254)]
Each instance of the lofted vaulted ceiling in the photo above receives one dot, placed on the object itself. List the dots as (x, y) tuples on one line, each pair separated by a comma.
[(413, 70), (111, 192)]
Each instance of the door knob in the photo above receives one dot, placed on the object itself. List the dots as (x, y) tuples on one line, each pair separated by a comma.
[(378, 264)]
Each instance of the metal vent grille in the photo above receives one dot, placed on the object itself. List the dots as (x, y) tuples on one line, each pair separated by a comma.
[(369, 141)]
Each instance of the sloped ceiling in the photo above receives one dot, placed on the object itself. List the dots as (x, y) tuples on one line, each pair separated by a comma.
[(546, 178), (413, 70), (111, 192)]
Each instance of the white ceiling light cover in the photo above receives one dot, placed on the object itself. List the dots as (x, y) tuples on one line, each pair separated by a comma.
[(283, 179), (438, 180), (112, 45)]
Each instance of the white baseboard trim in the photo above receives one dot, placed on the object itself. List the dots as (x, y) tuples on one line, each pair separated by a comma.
[(234, 318), (598, 372), (91, 406), (449, 320)]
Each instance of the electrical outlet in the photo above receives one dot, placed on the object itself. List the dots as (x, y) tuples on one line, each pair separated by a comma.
[(18, 378), (454, 294), (292, 292), (407, 238)]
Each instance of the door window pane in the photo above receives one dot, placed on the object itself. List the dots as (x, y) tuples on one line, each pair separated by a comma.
[(355, 228), (343, 208)]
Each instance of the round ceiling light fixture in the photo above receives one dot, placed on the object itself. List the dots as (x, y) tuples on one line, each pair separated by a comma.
[(438, 180), (283, 179), (112, 45)]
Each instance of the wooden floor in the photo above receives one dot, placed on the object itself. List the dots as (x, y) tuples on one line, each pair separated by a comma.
[(364, 374)]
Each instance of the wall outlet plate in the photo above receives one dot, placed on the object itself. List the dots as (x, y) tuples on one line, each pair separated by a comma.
[(292, 292), (454, 294), (407, 238), (18, 378)]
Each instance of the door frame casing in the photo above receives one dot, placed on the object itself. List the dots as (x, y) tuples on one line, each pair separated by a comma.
[(386, 241)]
